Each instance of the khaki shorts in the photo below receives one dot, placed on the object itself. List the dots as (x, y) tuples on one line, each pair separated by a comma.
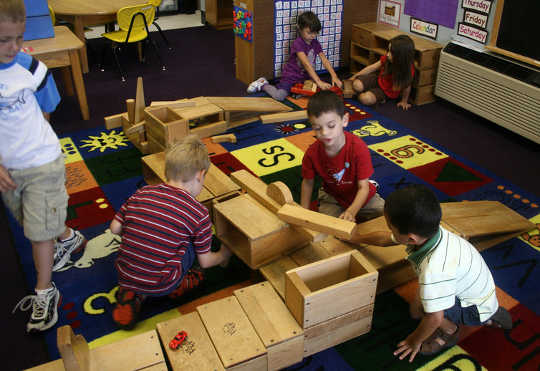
[(329, 206), (371, 83), (40, 201)]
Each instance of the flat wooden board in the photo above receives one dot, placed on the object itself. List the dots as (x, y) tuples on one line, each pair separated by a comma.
[(232, 333), (482, 218), (255, 104), (275, 273), (218, 183), (284, 116), (381, 257), (268, 313), (249, 217), (197, 352), (297, 215), (134, 353), (56, 365), (190, 113), (311, 253)]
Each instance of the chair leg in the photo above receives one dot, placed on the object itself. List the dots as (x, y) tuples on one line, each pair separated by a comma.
[(117, 60), (163, 36), (163, 67)]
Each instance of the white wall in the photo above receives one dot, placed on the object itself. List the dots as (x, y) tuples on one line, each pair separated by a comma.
[(446, 34)]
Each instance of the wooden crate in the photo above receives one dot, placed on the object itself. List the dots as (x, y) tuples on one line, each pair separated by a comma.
[(329, 288), (164, 125), (337, 330), (197, 352), (236, 341), (252, 232), (275, 325)]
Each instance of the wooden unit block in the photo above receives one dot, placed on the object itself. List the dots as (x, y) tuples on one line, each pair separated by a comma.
[(218, 183), (138, 110), (236, 341), (130, 105), (277, 328), (274, 272), (297, 215), (337, 330), (348, 91), (56, 365), (394, 275), (282, 117), (308, 254), (114, 121), (165, 126), (230, 138), (252, 232), (208, 130), (249, 104), (197, 352), (329, 288)]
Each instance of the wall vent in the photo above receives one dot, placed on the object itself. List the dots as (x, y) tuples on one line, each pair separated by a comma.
[(512, 102)]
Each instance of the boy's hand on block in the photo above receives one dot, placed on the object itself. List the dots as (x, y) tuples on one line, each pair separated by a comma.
[(324, 85)]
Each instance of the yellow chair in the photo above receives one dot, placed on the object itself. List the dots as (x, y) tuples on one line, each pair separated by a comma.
[(156, 4), (133, 28)]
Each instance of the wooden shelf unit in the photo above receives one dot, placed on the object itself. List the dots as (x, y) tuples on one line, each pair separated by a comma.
[(369, 41)]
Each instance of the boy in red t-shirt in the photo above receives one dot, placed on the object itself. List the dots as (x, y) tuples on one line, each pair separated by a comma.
[(343, 162)]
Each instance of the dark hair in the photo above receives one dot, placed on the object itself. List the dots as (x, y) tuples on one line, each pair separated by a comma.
[(310, 20), (325, 101), (414, 209), (402, 49)]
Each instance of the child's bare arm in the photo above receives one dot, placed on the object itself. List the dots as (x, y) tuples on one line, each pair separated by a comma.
[(211, 259), (367, 70), (6, 182), (116, 227), (404, 103), (359, 200), (326, 63), (411, 345), (302, 57), (306, 192)]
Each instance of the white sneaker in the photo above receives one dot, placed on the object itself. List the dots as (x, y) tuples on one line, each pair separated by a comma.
[(44, 309), (374, 183), (64, 249), (256, 85)]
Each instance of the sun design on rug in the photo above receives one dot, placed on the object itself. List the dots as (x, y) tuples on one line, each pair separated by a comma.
[(288, 129), (111, 140)]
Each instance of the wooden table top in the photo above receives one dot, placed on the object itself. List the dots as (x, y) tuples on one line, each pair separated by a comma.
[(63, 40), (90, 7)]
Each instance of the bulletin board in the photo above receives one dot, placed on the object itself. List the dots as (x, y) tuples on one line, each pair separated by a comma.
[(442, 12), (329, 12)]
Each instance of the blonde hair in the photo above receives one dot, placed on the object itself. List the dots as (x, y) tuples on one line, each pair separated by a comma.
[(12, 11), (185, 158)]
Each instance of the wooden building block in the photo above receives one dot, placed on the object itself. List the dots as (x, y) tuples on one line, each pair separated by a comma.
[(197, 352), (230, 138), (337, 330), (115, 121), (282, 117), (139, 102), (298, 215), (256, 243), (165, 126), (207, 130), (218, 183), (348, 91), (394, 275), (56, 365), (130, 109), (277, 328), (274, 272), (279, 192), (236, 341), (329, 288)]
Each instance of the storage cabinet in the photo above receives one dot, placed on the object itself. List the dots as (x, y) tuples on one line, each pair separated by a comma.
[(370, 40)]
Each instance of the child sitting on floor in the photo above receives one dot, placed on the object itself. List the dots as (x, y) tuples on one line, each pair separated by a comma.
[(343, 162), (455, 284), (300, 66), (164, 229), (396, 72)]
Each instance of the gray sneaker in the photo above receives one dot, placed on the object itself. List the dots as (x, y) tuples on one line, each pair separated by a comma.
[(64, 249), (44, 309)]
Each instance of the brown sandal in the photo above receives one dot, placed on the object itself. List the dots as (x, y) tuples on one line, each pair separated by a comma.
[(432, 344)]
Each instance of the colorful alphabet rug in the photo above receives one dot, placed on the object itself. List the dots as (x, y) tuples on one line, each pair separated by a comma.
[(104, 169)]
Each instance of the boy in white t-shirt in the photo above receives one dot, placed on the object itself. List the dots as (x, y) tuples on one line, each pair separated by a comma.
[(32, 170), (455, 284)]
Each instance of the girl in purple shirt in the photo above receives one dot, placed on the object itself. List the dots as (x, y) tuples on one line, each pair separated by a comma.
[(299, 68)]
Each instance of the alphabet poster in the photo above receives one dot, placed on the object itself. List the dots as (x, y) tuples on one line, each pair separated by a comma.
[(441, 12)]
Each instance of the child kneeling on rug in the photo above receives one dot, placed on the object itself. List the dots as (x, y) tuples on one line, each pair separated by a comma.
[(164, 229), (343, 162), (455, 284)]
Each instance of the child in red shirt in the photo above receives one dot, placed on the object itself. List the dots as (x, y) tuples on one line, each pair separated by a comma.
[(343, 162), (396, 72)]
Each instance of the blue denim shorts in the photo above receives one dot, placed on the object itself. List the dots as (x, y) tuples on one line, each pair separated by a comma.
[(467, 316)]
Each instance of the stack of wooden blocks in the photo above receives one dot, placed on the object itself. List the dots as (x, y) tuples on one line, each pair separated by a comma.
[(370, 41)]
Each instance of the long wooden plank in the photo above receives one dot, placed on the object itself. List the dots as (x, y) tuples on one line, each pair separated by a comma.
[(327, 224), (255, 104), (234, 337), (218, 183), (282, 117), (197, 352), (274, 272)]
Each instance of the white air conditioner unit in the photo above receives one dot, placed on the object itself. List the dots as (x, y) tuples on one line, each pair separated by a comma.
[(505, 100)]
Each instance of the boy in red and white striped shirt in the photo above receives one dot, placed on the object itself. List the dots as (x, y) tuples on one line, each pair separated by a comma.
[(164, 228)]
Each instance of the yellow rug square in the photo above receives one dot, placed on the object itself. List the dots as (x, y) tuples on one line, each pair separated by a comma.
[(408, 152), (70, 150), (270, 157), (532, 238), (455, 358)]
